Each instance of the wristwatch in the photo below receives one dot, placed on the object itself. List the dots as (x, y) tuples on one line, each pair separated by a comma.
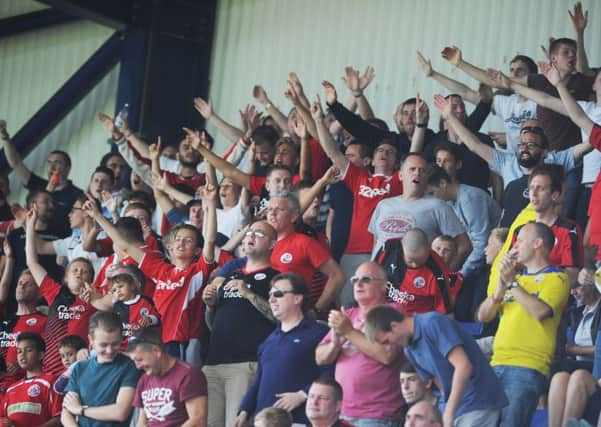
[(83, 410)]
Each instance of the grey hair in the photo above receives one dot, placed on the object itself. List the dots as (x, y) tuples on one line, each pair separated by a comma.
[(293, 203)]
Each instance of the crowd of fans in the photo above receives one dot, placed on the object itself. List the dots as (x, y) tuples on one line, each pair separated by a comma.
[(325, 270)]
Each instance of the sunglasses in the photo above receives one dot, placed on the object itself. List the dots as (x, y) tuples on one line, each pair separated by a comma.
[(279, 294), (256, 233), (365, 279)]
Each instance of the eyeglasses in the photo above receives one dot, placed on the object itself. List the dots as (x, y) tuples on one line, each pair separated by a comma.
[(529, 145), (533, 129), (279, 294), (256, 233), (365, 279)]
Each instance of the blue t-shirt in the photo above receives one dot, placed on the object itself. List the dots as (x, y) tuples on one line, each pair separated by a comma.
[(434, 337), (98, 384)]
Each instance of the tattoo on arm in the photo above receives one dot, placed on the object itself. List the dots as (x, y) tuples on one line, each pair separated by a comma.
[(263, 307)]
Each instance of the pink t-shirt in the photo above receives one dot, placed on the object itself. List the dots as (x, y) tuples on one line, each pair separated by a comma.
[(370, 388), (164, 398)]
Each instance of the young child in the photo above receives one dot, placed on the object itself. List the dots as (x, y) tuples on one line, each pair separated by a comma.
[(135, 310), (31, 401), (69, 312), (68, 348), (445, 247)]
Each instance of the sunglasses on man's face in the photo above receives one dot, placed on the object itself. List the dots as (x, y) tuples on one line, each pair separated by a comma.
[(365, 279), (279, 294), (256, 233)]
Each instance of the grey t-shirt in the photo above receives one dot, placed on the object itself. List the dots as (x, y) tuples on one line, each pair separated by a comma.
[(505, 163), (395, 216)]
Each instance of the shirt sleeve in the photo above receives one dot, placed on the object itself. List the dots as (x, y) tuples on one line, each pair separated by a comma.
[(137, 403), (49, 288), (61, 246), (448, 222), (318, 253), (555, 291), (193, 385), (132, 375), (564, 158), (500, 160), (256, 184), (153, 266), (36, 183), (445, 332), (169, 165)]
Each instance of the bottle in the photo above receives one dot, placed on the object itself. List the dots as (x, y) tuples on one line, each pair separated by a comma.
[(122, 117)]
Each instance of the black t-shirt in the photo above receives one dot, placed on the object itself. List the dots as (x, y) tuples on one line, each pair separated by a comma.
[(16, 239), (515, 199), (63, 202), (559, 129), (341, 201), (238, 327)]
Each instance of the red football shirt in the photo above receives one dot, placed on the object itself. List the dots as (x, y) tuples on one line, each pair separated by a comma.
[(11, 328), (177, 295), (131, 312), (303, 255), (31, 402), (68, 315), (368, 190), (594, 207), (418, 293)]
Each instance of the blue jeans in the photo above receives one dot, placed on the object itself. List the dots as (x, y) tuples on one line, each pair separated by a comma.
[(188, 351), (522, 386), (371, 422)]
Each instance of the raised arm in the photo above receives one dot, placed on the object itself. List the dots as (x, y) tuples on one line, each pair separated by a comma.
[(296, 95), (7, 271), (331, 176), (205, 109), (300, 128), (419, 134), (577, 115), (467, 137), (541, 98), (209, 224), (325, 139), (453, 55), (227, 169), (132, 250), (356, 84), (261, 96), (453, 86), (37, 270), (14, 159), (580, 20)]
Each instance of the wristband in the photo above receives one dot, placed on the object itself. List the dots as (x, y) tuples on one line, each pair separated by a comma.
[(83, 410), (422, 125), (357, 94)]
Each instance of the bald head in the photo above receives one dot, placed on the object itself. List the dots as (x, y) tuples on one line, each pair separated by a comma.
[(416, 248), (423, 413)]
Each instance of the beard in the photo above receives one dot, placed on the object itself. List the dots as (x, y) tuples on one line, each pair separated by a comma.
[(530, 161)]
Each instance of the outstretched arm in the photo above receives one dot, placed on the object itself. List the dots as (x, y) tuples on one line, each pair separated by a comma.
[(453, 86), (132, 250), (468, 138), (14, 159), (209, 224), (37, 270), (325, 139), (331, 176), (453, 55), (580, 20), (419, 134), (205, 109), (227, 169), (261, 96), (356, 84), (576, 113), (7, 271)]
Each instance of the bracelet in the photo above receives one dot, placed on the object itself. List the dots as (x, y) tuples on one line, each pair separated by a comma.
[(268, 106), (83, 410), (357, 94), (422, 125)]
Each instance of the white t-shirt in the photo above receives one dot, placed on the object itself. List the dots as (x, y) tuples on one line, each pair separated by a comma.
[(591, 164), (229, 220), (513, 114), (72, 247)]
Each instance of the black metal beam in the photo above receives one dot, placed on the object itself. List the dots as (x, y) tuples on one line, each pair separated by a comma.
[(14, 25), (66, 98), (116, 14)]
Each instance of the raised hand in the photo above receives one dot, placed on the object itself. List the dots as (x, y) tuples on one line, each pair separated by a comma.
[(552, 74), (203, 107), (452, 54), (154, 150), (499, 137), (90, 207), (543, 67), (107, 121), (579, 19), (351, 79), (109, 201), (32, 217), (332, 175), (209, 193), (253, 120), (159, 181), (296, 84), (443, 106), (485, 92), (508, 267), (7, 248), (193, 136), (300, 127), (421, 109), (3, 132), (367, 77), (260, 95), (292, 95), (330, 92), (425, 64), (316, 110), (499, 78)]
